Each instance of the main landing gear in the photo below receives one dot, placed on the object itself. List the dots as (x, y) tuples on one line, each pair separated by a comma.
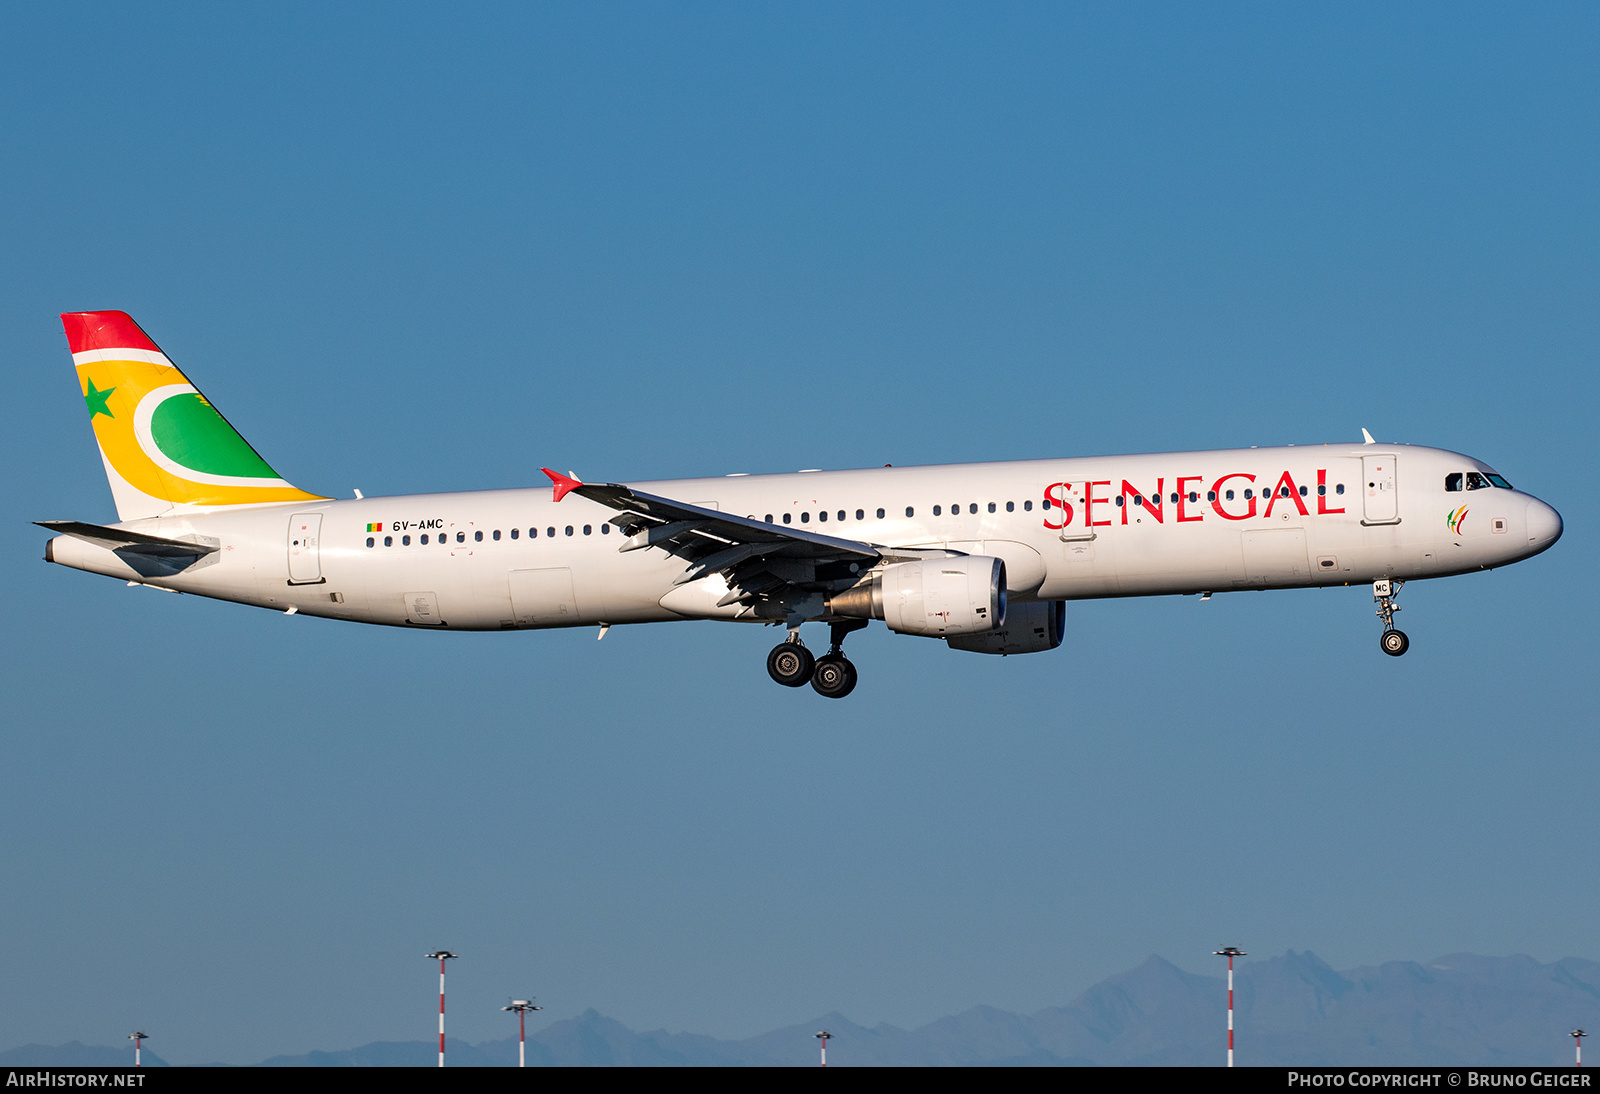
[(1393, 642), (831, 675)]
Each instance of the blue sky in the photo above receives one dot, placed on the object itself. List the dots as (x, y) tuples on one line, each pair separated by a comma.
[(409, 248)]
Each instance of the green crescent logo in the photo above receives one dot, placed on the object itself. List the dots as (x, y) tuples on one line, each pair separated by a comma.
[(191, 433)]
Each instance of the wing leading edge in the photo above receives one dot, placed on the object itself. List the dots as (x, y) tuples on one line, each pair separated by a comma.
[(768, 567)]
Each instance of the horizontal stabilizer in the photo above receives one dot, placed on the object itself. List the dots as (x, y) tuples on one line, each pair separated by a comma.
[(117, 538)]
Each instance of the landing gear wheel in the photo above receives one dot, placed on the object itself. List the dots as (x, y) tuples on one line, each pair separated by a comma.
[(834, 677), (1394, 642), (790, 664)]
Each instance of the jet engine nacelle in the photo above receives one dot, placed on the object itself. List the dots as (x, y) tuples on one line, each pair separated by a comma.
[(1033, 627), (935, 598)]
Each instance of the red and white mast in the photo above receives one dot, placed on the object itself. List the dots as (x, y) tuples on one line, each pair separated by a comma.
[(1577, 1037), (1230, 952), (137, 1038), (522, 1007), (443, 956), (823, 1036)]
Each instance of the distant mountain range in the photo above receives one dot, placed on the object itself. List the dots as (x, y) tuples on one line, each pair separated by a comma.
[(1292, 1010)]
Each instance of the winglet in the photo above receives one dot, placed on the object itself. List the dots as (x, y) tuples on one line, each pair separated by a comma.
[(563, 484)]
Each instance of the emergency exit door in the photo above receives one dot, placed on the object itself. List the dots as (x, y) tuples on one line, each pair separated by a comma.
[(305, 559), (1380, 502)]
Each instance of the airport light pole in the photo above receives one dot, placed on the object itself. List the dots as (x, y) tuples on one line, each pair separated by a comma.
[(1577, 1036), (1230, 952), (138, 1038), (443, 956), (522, 1007), (824, 1036)]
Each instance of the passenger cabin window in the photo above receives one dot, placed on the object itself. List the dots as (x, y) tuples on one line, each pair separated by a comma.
[(369, 541), (569, 529), (769, 518), (497, 535), (841, 514), (461, 537), (477, 537), (880, 514), (1339, 489), (424, 539), (551, 532), (805, 518), (515, 532), (910, 512), (787, 518), (861, 514), (1027, 507), (405, 541), (1011, 507), (822, 516), (587, 529), (388, 541), (938, 510), (605, 529)]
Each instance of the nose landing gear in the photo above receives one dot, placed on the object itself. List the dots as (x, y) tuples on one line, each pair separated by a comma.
[(1393, 642)]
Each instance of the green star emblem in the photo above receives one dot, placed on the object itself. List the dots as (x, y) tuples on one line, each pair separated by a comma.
[(97, 401)]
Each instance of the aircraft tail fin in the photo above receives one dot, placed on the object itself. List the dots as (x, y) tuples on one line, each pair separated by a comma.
[(165, 447)]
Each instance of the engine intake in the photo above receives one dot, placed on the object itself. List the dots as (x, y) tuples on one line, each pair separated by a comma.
[(937, 598)]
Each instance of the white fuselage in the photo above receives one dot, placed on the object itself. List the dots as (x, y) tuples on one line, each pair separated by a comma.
[(508, 559)]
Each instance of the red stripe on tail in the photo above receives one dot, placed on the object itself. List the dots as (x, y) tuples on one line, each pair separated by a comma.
[(104, 330)]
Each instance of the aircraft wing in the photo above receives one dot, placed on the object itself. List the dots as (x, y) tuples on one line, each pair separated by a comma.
[(759, 560)]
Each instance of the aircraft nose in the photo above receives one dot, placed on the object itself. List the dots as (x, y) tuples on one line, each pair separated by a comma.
[(1544, 525)]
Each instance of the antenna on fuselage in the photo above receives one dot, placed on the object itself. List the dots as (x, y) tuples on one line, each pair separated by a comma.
[(1366, 438)]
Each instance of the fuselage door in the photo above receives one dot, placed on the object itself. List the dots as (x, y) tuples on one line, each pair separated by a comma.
[(543, 598), (305, 559), (1379, 499)]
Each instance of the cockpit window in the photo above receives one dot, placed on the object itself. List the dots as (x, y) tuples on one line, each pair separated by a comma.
[(1476, 481), (1452, 482), (1500, 481)]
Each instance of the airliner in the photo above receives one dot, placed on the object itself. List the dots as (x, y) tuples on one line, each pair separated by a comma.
[(983, 556)]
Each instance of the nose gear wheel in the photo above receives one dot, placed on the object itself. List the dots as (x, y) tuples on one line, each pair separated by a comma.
[(1393, 642)]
